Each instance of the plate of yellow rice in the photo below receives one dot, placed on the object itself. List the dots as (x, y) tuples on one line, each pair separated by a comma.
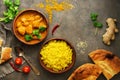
[(57, 55)]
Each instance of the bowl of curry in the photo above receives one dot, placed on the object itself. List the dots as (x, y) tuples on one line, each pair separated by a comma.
[(30, 27)]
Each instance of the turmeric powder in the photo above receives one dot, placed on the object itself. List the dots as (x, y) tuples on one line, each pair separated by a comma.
[(111, 30), (54, 5)]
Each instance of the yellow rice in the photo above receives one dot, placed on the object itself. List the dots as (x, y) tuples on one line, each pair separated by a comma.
[(56, 55)]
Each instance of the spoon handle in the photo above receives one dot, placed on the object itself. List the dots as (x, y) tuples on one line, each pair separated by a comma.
[(35, 70)]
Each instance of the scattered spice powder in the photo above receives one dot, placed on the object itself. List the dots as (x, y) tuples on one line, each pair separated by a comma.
[(54, 5), (82, 45)]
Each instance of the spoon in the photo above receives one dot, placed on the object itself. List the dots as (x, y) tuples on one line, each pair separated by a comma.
[(21, 53)]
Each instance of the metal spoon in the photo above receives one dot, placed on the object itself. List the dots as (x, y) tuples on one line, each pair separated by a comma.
[(21, 53)]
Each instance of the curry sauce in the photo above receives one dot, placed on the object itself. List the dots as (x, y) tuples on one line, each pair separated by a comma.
[(28, 26)]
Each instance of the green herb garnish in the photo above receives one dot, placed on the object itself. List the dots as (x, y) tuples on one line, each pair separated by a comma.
[(17, 2), (93, 16), (36, 32), (98, 24), (39, 36), (42, 29), (12, 10), (28, 37)]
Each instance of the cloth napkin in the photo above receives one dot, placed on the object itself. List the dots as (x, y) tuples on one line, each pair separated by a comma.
[(6, 35)]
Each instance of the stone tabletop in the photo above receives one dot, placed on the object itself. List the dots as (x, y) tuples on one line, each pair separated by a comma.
[(77, 28)]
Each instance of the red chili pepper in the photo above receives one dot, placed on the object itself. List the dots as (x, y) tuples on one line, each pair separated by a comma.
[(14, 67), (54, 28)]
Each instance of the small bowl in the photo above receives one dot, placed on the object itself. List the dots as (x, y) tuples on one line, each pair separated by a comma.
[(21, 37), (69, 66)]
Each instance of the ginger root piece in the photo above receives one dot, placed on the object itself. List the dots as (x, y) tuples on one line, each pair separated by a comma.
[(110, 31)]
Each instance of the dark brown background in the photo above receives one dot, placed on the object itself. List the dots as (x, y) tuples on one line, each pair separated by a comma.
[(76, 26)]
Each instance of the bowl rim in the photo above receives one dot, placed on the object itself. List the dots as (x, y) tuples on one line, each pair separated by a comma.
[(26, 10), (73, 56)]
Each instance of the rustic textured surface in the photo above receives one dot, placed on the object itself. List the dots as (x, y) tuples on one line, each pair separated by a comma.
[(76, 26)]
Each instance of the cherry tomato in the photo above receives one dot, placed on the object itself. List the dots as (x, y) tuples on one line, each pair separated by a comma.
[(26, 69), (18, 61)]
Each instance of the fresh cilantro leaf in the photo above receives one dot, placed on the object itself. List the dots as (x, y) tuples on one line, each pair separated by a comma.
[(17, 2), (93, 16), (98, 24)]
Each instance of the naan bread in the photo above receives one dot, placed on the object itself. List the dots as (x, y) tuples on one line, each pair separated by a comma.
[(1, 42), (109, 63), (87, 71), (5, 54)]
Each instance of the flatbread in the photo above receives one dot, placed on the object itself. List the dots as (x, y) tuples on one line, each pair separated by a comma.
[(1, 42), (5, 54), (87, 71), (108, 62)]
